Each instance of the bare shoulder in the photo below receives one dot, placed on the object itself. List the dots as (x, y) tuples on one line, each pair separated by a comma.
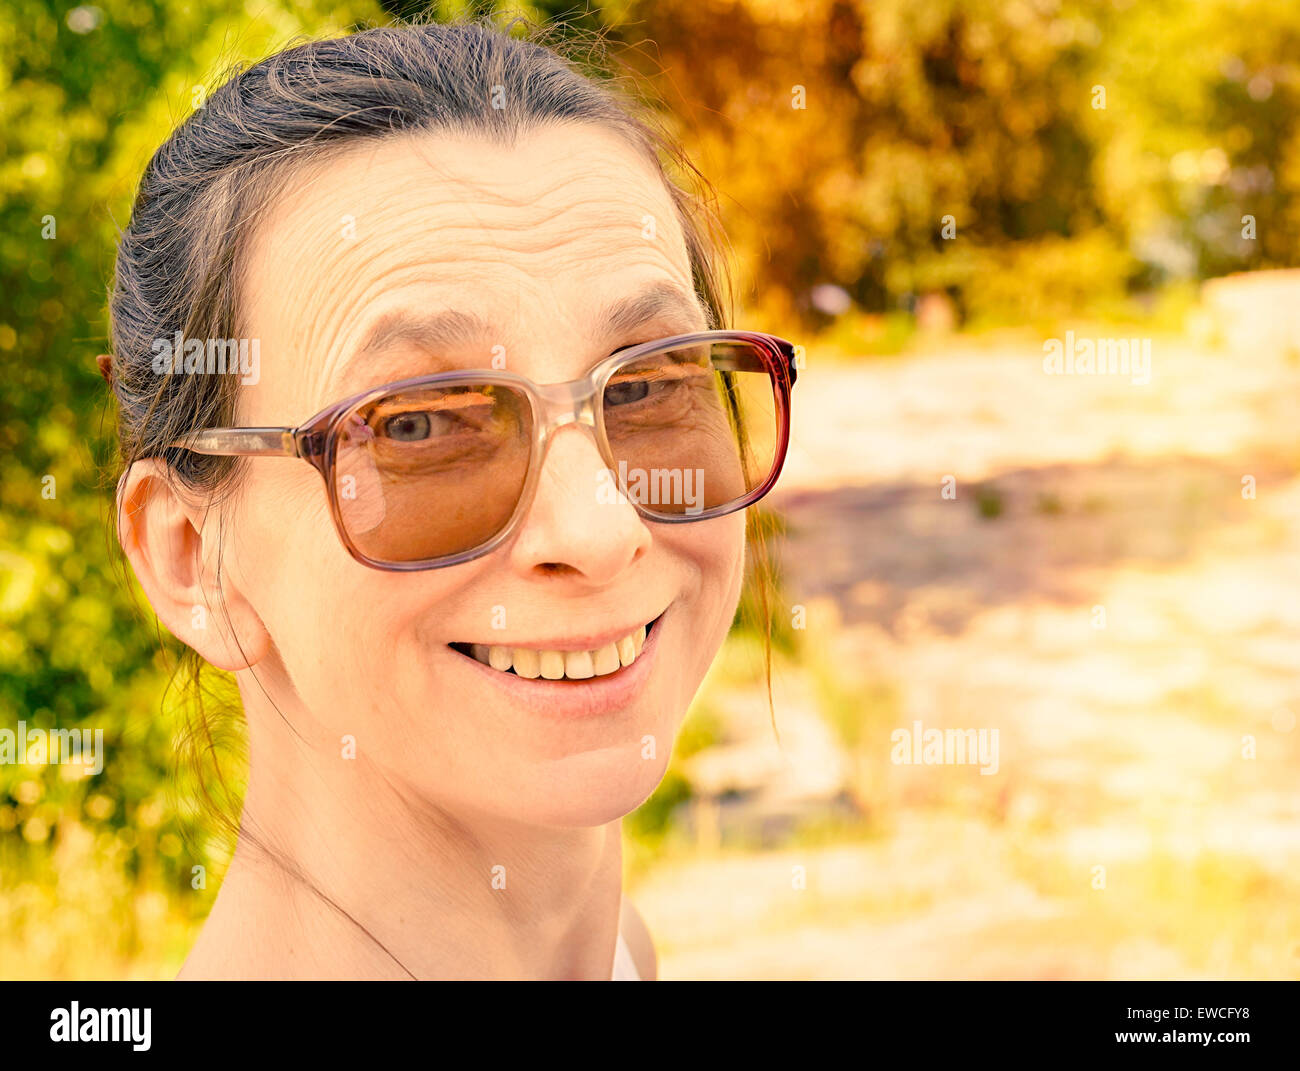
[(639, 942)]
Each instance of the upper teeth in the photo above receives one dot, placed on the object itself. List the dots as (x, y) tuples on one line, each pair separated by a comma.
[(553, 665)]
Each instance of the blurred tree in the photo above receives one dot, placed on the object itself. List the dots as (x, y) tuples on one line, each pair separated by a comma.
[(963, 145)]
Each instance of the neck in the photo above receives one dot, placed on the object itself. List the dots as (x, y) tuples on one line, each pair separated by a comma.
[(341, 872)]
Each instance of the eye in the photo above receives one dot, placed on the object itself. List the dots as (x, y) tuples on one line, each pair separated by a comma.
[(668, 383), (626, 392), (408, 427)]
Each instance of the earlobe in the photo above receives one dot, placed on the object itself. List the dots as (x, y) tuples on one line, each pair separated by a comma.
[(171, 543)]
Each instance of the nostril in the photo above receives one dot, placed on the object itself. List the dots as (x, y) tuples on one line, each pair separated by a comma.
[(556, 568)]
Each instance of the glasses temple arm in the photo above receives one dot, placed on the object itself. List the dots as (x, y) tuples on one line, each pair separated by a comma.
[(239, 441)]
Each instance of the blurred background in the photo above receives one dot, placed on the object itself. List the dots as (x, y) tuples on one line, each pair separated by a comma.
[(1103, 572)]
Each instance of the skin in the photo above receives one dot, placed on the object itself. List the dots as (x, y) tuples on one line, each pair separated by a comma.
[(451, 776)]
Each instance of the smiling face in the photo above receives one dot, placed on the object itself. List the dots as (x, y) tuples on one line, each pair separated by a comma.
[(431, 252)]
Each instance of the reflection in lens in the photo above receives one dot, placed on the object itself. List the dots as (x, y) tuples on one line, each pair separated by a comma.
[(431, 472)]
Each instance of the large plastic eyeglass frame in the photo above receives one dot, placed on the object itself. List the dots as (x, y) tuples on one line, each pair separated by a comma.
[(553, 406)]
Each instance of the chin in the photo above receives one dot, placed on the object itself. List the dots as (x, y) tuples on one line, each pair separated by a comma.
[(592, 789)]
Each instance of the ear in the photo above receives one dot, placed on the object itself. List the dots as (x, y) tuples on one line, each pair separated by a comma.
[(171, 543)]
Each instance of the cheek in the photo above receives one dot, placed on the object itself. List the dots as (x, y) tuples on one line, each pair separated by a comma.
[(283, 534), (320, 607), (716, 552), (719, 546)]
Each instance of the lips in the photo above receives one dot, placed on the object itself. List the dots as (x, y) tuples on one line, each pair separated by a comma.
[(555, 664)]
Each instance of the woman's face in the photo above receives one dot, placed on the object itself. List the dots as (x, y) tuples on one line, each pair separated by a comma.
[(533, 243)]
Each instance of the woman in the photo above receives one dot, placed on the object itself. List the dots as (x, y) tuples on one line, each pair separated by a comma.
[(462, 288)]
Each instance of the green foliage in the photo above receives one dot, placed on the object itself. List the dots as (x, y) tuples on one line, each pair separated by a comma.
[(78, 647), (988, 502), (651, 820), (1049, 504)]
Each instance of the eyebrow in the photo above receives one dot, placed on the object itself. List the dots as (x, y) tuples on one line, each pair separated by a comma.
[(658, 302), (451, 327)]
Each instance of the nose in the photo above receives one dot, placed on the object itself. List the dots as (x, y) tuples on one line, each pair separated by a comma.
[(576, 526)]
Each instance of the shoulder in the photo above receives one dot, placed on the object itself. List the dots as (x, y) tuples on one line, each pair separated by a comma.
[(639, 942)]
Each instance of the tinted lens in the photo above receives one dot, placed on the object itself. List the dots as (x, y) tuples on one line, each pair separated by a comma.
[(432, 472), (693, 429)]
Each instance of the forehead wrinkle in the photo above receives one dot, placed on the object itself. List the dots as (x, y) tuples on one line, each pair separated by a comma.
[(547, 231), (505, 295), (331, 331), (463, 248), (441, 264), (595, 166), (315, 188), (442, 232), (383, 226)]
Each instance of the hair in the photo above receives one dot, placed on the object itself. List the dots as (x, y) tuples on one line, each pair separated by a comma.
[(180, 259)]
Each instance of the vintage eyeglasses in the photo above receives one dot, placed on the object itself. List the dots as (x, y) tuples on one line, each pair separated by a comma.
[(440, 469)]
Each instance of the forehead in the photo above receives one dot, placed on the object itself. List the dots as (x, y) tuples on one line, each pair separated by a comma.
[(532, 239)]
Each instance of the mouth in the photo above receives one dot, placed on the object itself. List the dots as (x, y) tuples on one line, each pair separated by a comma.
[(609, 659)]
